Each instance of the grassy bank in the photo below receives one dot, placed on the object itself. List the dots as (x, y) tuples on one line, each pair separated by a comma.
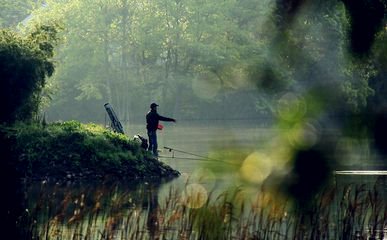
[(73, 150)]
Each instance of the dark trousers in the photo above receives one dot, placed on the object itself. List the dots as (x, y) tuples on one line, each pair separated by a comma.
[(152, 142)]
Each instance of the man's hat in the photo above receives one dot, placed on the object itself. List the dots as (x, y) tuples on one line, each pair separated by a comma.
[(153, 105)]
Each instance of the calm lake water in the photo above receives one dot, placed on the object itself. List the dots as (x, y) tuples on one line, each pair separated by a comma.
[(208, 156)]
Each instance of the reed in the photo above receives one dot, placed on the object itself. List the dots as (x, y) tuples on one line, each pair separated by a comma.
[(351, 212)]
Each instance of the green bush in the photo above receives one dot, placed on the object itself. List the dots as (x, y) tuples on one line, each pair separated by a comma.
[(71, 149), (24, 65)]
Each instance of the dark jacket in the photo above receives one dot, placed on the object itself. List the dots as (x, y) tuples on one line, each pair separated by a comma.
[(153, 118)]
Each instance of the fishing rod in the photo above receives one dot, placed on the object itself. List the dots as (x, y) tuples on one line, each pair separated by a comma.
[(185, 158), (201, 158), (193, 154)]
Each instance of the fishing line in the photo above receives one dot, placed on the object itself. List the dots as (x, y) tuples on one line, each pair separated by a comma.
[(175, 150), (201, 158)]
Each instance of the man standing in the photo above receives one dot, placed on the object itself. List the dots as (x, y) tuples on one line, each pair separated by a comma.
[(152, 123)]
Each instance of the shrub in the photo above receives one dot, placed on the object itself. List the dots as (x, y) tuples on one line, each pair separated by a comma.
[(72, 149), (24, 65)]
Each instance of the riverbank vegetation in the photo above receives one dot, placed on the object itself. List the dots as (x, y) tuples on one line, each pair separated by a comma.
[(25, 64), (301, 67), (71, 150), (67, 150), (59, 150), (341, 211)]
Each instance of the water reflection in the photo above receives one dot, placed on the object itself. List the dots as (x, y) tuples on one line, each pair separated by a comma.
[(211, 199), (93, 209), (153, 210), (354, 207)]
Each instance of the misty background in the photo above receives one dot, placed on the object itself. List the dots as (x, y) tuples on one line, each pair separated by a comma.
[(298, 66), (197, 59)]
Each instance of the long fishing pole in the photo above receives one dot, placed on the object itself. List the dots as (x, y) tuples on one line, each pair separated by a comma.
[(185, 158), (193, 154), (196, 155)]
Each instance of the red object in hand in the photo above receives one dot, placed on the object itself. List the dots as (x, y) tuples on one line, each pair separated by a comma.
[(160, 127)]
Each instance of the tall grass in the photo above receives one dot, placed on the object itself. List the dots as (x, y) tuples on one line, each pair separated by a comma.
[(353, 211)]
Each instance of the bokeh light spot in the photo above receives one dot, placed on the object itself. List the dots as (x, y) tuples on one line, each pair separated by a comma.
[(256, 167), (194, 195)]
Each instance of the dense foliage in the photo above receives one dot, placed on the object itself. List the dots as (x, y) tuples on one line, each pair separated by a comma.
[(73, 150), (24, 65), (67, 150), (307, 63), (207, 59)]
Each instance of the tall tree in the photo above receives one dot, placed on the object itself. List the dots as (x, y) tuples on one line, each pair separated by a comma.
[(25, 64), (199, 52)]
